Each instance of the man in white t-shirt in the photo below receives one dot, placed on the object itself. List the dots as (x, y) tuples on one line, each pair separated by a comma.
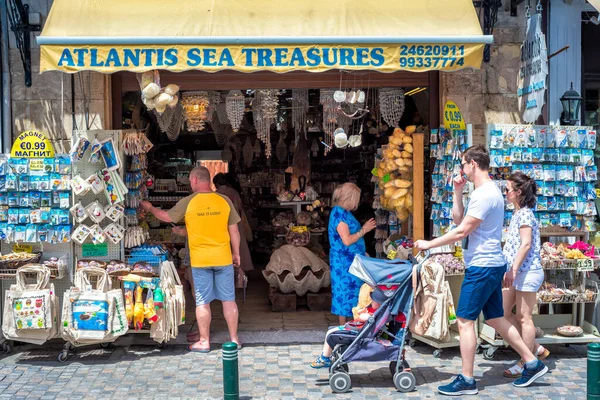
[(481, 290)]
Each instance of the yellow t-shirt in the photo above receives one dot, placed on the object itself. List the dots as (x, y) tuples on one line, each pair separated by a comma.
[(207, 219)]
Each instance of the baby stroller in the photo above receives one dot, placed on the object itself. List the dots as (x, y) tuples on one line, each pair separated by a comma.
[(394, 290)]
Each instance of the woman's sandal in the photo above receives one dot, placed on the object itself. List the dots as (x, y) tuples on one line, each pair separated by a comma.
[(516, 370), (321, 362)]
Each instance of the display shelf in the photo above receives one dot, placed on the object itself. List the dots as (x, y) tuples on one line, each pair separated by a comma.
[(548, 323)]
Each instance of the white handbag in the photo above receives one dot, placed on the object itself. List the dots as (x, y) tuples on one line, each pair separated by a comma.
[(31, 311), (90, 315)]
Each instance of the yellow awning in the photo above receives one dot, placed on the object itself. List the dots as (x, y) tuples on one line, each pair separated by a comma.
[(595, 4), (261, 35)]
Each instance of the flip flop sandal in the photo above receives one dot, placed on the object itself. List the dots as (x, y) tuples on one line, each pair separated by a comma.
[(515, 371), (544, 354), (196, 350)]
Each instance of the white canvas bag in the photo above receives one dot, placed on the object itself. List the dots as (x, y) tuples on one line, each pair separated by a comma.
[(88, 313), (31, 310)]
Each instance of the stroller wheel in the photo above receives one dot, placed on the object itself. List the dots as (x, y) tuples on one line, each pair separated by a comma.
[(340, 382), (405, 381)]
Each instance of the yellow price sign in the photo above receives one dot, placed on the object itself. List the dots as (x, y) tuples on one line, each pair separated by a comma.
[(453, 118), (597, 193), (32, 144), (22, 248), (392, 254)]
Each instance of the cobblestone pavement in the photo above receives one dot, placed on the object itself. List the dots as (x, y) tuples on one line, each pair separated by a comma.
[(266, 372)]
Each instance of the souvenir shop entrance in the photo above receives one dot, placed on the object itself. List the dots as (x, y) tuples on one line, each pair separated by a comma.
[(258, 180)]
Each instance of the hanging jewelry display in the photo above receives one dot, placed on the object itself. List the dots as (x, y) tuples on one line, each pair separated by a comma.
[(299, 111), (248, 153), (391, 103), (214, 98), (195, 106), (235, 104), (329, 116), (281, 150)]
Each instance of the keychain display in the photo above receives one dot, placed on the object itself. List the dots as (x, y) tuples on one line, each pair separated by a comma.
[(561, 161), (136, 143), (134, 236)]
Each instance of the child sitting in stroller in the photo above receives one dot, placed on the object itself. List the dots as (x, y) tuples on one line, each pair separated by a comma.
[(362, 312)]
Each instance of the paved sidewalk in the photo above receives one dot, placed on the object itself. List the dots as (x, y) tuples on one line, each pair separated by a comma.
[(266, 372)]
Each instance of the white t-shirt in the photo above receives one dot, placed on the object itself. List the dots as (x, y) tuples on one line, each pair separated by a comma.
[(484, 247)]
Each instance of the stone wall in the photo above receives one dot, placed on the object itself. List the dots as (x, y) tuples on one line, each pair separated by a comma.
[(489, 95), (46, 105)]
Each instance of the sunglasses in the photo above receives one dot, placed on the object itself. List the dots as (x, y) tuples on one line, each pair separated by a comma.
[(507, 190)]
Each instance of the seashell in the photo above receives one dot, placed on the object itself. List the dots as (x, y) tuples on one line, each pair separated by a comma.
[(339, 96), (355, 140), (151, 90), (351, 97), (341, 140), (150, 103), (163, 99), (160, 108), (173, 102), (172, 89), (360, 96)]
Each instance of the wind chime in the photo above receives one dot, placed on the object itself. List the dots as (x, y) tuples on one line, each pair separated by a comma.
[(264, 111), (391, 104), (235, 104), (329, 116), (214, 98), (299, 111)]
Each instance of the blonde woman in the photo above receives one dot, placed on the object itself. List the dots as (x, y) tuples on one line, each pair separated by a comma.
[(346, 241)]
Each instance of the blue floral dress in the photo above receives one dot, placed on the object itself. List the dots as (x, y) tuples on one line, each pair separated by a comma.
[(344, 286)]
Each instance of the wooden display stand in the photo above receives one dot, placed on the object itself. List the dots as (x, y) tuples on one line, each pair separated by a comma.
[(282, 302)]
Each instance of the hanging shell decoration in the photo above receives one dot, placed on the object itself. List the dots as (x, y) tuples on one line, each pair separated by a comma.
[(264, 111), (235, 104), (226, 154), (299, 111), (171, 121), (221, 130), (391, 104), (195, 106), (329, 116), (214, 98), (248, 153), (281, 150), (222, 112)]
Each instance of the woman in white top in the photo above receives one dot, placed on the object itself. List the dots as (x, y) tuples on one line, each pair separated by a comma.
[(524, 274)]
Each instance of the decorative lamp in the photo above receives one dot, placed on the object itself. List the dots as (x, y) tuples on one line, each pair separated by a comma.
[(195, 106), (571, 103)]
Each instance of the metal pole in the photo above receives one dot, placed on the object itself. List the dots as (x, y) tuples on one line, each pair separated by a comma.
[(231, 384), (6, 91), (593, 371)]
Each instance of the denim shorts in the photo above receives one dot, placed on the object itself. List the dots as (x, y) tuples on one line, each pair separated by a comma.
[(481, 291), (213, 283), (529, 281)]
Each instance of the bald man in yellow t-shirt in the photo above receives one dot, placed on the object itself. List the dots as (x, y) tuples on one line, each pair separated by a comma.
[(214, 243)]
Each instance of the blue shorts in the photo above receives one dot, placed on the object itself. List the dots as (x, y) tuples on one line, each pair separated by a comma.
[(481, 291), (213, 283)]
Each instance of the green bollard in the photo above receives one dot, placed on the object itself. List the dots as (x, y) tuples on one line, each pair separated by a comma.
[(593, 371), (231, 384)]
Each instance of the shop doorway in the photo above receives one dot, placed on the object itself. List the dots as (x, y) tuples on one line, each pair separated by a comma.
[(259, 179)]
